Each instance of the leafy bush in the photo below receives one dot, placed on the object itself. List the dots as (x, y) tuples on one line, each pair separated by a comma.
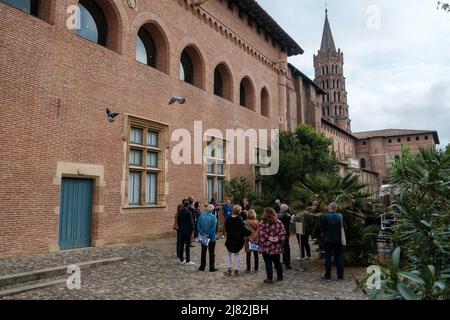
[(238, 190), (421, 187)]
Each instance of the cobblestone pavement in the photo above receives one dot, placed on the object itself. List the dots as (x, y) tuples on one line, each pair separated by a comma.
[(152, 272)]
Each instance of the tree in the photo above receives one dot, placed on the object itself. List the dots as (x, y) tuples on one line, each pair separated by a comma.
[(444, 6), (301, 152)]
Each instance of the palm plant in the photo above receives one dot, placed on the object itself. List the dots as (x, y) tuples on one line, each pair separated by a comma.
[(353, 202)]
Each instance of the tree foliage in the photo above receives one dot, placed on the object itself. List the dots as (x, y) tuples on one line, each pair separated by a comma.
[(421, 187), (301, 152), (238, 189)]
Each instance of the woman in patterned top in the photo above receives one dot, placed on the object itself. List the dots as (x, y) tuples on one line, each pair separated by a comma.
[(271, 235)]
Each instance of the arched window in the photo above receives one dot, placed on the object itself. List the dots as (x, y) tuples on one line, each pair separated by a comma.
[(340, 110), (265, 103), (338, 84), (397, 158), (339, 96), (28, 6), (328, 110), (335, 110), (247, 94), (223, 84), (335, 96), (152, 47), (145, 48), (186, 68), (192, 67), (93, 25)]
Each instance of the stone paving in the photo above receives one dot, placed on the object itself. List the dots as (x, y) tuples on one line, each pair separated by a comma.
[(152, 272)]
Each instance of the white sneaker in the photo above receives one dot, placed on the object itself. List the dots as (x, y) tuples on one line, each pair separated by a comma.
[(183, 262), (190, 263)]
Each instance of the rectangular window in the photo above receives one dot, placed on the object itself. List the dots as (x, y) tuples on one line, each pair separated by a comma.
[(210, 189), (153, 139), (134, 191), (136, 157), (152, 160), (151, 192), (136, 136), (220, 190), (146, 163), (215, 170)]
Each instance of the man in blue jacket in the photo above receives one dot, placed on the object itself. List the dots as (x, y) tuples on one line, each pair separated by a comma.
[(206, 226), (331, 225)]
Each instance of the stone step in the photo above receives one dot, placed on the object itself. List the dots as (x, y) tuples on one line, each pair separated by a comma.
[(30, 287), (24, 277)]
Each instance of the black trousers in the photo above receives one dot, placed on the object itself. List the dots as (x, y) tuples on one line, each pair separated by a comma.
[(179, 246), (336, 249), (287, 252), (305, 245), (185, 243), (256, 258), (274, 259), (212, 256)]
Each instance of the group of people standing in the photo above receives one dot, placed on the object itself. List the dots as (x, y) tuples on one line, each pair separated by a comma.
[(268, 236)]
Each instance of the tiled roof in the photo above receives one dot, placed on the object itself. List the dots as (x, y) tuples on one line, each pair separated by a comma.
[(394, 133), (269, 25)]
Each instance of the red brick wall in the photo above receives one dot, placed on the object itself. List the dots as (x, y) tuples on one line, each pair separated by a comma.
[(54, 90)]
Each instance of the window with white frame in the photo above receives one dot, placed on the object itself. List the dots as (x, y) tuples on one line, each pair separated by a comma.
[(215, 170), (145, 164)]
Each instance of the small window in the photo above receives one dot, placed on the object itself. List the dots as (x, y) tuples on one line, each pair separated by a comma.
[(152, 160), (364, 143), (134, 190), (265, 103), (93, 25), (390, 140), (28, 6), (186, 68), (136, 136), (151, 192), (399, 140), (145, 48), (417, 138), (363, 163), (135, 157), (218, 84), (426, 137), (247, 94), (397, 158), (408, 139), (152, 138)]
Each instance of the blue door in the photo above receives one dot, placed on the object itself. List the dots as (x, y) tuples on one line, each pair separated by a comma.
[(75, 213)]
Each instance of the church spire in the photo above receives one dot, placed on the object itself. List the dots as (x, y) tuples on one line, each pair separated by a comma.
[(327, 37)]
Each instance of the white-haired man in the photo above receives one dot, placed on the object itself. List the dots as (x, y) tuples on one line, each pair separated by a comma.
[(285, 218), (206, 226)]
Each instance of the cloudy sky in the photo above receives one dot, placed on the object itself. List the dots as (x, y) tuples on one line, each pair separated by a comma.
[(397, 67)]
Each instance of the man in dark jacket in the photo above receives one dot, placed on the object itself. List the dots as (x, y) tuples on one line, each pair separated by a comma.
[(330, 225), (285, 218), (185, 227), (194, 218)]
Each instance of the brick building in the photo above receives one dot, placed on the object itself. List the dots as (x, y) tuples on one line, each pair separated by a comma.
[(71, 178)]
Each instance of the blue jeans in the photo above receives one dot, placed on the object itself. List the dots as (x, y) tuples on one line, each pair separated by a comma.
[(336, 248), (276, 260)]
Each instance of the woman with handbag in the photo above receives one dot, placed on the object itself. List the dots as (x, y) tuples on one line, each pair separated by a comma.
[(236, 232), (251, 242), (271, 236)]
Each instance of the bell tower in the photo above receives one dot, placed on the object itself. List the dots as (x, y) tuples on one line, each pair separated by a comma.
[(329, 75)]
